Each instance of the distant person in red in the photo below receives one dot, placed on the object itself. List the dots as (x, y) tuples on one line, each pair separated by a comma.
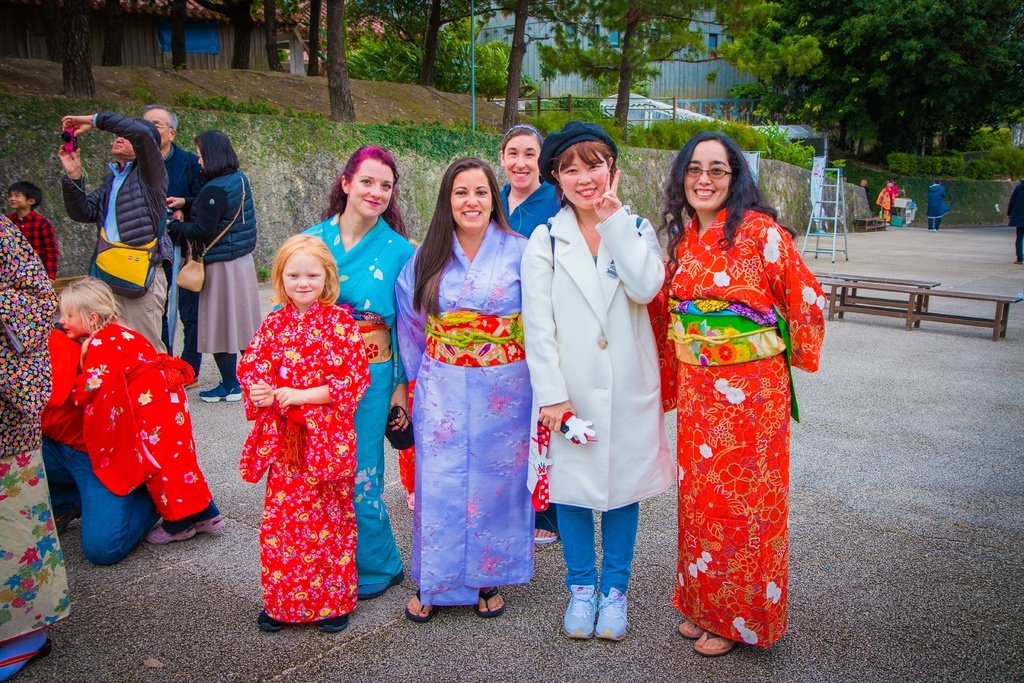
[(26, 199)]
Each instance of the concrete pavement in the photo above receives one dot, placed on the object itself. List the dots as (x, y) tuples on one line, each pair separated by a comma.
[(907, 543)]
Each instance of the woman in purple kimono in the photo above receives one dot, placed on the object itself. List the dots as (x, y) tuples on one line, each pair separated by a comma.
[(461, 338)]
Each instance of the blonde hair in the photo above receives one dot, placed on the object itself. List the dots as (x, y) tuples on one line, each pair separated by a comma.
[(315, 247), (88, 296)]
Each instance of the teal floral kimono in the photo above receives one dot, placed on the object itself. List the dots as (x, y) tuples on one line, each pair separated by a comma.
[(368, 273)]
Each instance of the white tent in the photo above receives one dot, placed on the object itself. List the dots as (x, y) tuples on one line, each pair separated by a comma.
[(643, 111)]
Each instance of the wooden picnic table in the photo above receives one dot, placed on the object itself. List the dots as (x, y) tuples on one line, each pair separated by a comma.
[(909, 299)]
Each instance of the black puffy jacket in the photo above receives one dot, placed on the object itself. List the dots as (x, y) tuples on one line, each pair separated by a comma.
[(141, 202)]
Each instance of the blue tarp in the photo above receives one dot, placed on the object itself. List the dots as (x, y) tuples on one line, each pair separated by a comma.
[(201, 37)]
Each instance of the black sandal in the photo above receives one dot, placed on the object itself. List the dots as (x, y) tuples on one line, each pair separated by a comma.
[(413, 616), (487, 596)]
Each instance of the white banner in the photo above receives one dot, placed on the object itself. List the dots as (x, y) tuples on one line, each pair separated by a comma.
[(817, 178)]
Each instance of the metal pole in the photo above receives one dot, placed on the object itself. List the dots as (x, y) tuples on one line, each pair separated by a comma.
[(472, 64)]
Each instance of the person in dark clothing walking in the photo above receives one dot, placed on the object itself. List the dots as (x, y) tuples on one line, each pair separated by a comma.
[(184, 179), (1015, 217)]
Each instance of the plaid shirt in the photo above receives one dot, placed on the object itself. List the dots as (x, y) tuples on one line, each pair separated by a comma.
[(39, 233)]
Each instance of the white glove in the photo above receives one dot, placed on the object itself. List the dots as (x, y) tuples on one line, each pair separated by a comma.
[(578, 430)]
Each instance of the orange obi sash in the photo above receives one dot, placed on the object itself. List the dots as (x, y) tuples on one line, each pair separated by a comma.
[(475, 340), (377, 339)]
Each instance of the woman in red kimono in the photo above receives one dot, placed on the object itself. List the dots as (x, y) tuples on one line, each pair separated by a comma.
[(303, 375), (744, 309), (136, 422)]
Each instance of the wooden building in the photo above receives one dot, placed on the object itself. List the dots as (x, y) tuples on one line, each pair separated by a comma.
[(22, 35)]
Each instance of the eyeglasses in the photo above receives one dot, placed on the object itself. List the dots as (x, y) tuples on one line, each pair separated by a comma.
[(715, 173)]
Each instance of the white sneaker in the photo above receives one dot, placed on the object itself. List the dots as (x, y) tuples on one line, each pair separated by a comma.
[(611, 624), (579, 617)]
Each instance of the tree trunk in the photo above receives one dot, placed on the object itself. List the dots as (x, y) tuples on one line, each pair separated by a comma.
[(270, 26), (625, 78), (430, 44), (179, 59), (77, 65), (338, 88), (241, 19), (515, 66), (112, 34), (53, 27), (313, 68)]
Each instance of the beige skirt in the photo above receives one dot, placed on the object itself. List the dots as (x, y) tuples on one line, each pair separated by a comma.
[(229, 306)]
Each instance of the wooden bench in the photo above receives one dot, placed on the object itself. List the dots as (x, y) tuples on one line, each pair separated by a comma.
[(868, 224), (910, 302)]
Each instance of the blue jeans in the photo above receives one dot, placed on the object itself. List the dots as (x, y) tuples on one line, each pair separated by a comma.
[(1019, 244), (618, 539), (111, 524)]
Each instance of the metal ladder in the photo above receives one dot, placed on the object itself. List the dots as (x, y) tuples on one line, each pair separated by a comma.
[(828, 217)]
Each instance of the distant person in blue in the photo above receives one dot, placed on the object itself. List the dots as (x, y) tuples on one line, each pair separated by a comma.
[(528, 202), (1015, 217), (364, 229), (937, 206)]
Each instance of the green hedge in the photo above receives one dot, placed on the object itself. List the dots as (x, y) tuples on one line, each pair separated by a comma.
[(951, 164)]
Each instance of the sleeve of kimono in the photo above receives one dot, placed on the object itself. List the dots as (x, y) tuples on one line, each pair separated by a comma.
[(539, 320), (347, 371), (795, 292), (638, 259), (256, 363), (102, 369), (411, 324), (27, 306)]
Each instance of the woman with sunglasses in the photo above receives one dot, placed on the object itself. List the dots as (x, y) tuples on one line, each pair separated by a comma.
[(744, 309)]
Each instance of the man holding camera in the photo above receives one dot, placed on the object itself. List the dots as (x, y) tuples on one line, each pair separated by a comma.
[(129, 208)]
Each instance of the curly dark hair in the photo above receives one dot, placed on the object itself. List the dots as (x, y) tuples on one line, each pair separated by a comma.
[(744, 195)]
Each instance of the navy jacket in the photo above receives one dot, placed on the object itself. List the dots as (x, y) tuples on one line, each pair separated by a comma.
[(213, 210), (1015, 209), (536, 210), (937, 206), (184, 179)]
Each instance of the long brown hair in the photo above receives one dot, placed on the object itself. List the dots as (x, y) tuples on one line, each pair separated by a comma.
[(433, 257)]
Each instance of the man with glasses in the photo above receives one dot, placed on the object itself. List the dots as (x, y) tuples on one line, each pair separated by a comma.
[(184, 178)]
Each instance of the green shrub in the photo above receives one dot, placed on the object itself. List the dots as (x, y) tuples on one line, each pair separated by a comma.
[(1009, 162), (989, 138), (904, 164), (981, 170)]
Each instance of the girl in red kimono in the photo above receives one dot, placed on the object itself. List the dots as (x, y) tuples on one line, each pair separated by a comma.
[(744, 308), (302, 377), (136, 421)]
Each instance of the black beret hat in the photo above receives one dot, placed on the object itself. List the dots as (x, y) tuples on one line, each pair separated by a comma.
[(574, 131)]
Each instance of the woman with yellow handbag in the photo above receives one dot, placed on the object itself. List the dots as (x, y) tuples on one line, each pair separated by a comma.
[(223, 227)]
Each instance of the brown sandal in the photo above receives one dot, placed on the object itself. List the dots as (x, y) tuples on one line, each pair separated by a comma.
[(690, 630), (701, 646)]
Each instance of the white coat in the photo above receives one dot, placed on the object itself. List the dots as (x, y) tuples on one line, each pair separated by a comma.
[(589, 341)]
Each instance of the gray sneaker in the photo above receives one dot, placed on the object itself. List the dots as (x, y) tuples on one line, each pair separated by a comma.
[(579, 617), (611, 625)]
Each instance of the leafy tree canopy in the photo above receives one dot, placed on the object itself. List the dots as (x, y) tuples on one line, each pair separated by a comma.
[(900, 73)]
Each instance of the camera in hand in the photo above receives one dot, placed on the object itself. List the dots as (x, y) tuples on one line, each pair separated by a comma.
[(70, 139)]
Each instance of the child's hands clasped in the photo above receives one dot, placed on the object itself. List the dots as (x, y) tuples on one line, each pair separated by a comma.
[(289, 396), (261, 394)]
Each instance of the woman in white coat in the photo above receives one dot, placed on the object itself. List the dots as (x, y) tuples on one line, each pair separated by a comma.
[(591, 353)]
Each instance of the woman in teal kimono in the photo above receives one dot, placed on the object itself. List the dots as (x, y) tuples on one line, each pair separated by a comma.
[(364, 229)]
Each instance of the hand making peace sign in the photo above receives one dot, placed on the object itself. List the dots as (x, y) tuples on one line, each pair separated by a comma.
[(608, 203)]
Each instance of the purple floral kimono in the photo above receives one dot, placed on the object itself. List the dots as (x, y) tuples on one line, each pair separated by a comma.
[(473, 523)]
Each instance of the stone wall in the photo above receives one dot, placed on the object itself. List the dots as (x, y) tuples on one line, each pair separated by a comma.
[(292, 164)]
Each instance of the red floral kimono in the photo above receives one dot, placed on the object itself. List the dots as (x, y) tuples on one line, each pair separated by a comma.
[(137, 425), (733, 432), (308, 533)]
